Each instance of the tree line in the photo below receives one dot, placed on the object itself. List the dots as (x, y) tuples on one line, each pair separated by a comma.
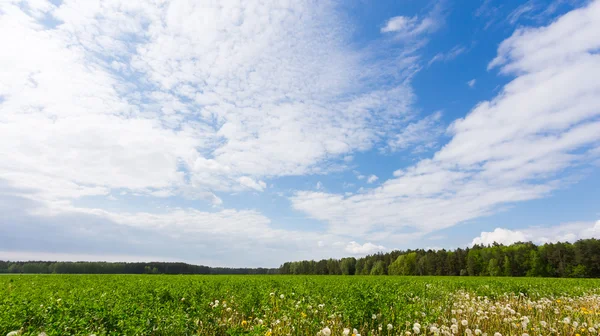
[(579, 259), (82, 267)]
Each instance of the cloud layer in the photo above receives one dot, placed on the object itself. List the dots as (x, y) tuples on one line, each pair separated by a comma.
[(137, 122), (506, 150)]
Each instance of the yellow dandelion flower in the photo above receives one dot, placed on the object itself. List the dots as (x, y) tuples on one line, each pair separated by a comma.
[(244, 323), (303, 314), (557, 301)]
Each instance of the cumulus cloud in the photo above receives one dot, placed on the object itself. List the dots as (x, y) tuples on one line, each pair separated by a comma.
[(366, 248), (471, 83), (500, 236), (506, 150), (568, 232), (372, 179)]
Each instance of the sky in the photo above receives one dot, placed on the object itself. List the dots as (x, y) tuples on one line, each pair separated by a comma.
[(250, 133)]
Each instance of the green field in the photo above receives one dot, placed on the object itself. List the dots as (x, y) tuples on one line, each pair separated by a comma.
[(296, 305)]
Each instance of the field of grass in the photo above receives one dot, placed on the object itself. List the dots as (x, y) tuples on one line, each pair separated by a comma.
[(296, 305)]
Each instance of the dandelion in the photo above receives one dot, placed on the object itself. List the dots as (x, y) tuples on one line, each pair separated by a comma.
[(417, 328), (566, 320), (346, 332), (281, 296), (326, 331), (464, 323), (272, 294), (477, 331), (497, 334), (374, 317), (454, 328), (390, 327)]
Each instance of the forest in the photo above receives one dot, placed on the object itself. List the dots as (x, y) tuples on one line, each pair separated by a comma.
[(568, 260)]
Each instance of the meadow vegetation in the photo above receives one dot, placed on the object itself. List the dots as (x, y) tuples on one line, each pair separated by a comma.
[(296, 305)]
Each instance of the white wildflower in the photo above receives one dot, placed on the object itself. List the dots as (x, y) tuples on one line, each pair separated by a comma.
[(326, 331)]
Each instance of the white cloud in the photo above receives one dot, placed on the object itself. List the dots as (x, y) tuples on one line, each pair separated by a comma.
[(319, 185), (565, 232), (407, 28), (471, 83), (182, 98), (500, 236), (250, 183), (366, 248), (420, 135), (448, 56), (522, 10), (506, 150), (372, 179), (46, 256)]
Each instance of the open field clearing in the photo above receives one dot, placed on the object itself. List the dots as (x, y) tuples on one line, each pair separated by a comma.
[(296, 305)]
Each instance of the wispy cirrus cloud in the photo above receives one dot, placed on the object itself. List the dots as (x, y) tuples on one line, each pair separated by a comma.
[(448, 56)]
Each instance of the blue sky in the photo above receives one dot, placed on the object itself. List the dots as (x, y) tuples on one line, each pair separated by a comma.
[(248, 133)]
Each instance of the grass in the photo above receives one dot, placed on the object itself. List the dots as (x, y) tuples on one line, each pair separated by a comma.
[(296, 305)]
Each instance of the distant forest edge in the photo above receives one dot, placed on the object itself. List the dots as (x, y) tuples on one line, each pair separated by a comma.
[(579, 259), (566, 260), (100, 267)]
